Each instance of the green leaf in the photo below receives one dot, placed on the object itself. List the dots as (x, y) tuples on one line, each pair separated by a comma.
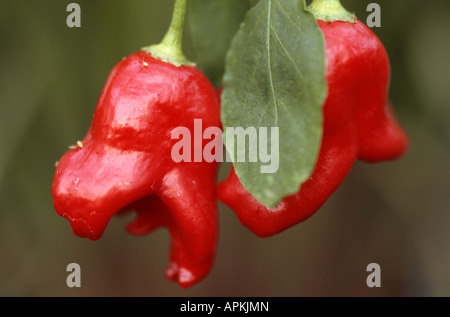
[(213, 24), (275, 77)]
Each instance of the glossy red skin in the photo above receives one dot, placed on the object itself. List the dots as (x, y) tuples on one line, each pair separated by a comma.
[(125, 163), (358, 124)]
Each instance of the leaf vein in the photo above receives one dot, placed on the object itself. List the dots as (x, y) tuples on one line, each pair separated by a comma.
[(269, 63), (299, 72)]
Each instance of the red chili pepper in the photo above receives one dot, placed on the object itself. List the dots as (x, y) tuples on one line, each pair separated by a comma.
[(358, 124), (124, 163)]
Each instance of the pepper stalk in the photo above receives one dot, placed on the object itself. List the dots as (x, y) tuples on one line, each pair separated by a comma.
[(330, 11), (171, 47)]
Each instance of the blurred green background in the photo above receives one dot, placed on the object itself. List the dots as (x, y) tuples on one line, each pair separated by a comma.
[(396, 214)]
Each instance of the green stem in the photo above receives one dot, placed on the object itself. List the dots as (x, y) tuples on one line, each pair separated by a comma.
[(171, 47), (331, 11)]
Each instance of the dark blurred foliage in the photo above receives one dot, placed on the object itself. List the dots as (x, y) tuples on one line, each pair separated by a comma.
[(396, 214)]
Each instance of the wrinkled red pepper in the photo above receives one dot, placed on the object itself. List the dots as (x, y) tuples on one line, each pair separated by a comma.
[(358, 124), (124, 163)]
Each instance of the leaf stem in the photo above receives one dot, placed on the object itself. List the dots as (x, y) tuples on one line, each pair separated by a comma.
[(171, 47), (330, 11)]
